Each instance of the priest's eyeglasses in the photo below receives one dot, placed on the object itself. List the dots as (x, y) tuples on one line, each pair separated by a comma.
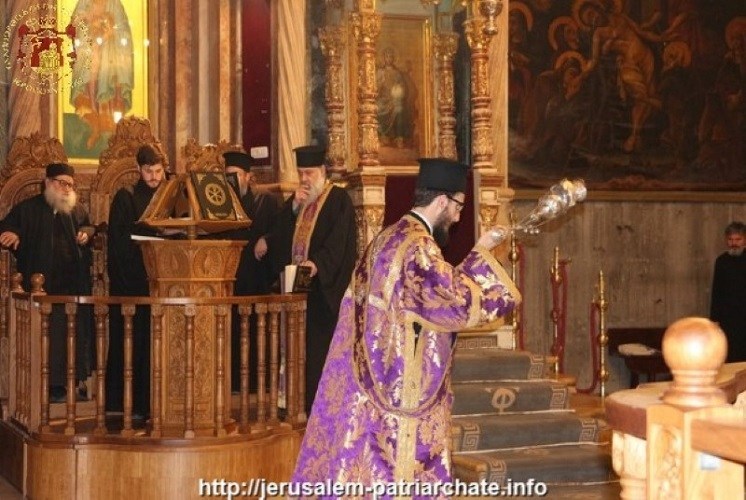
[(64, 184), (459, 204)]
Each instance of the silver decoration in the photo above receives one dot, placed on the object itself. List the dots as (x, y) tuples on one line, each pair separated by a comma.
[(561, 197)]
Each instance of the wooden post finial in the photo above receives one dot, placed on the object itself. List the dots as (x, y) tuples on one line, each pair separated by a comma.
[(695, 349), (37, 283), (17, 282)]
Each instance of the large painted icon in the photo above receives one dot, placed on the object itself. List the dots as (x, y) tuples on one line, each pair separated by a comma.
[(113, 82)]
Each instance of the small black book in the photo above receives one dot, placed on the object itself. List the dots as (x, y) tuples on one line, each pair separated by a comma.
[(302, 282)]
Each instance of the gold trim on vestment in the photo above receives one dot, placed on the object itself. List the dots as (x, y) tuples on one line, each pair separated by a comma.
[(502, 275), (304, 228)]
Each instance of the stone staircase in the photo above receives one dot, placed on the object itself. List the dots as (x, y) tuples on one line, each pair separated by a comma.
[(512, 422)]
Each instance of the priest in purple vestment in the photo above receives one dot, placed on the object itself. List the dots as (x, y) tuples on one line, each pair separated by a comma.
[(382, 412)]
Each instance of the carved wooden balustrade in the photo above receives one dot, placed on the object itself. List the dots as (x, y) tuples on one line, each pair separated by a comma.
[(683, 440), (280, 322)]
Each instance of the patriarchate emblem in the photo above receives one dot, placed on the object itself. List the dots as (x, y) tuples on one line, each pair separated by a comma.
[(42, 53)]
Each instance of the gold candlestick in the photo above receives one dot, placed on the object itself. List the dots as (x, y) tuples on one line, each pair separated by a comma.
[(556, 278), (603, 337)]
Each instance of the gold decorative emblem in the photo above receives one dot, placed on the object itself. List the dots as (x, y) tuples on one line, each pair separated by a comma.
[(214, 196), (215, 193), (43, 52)]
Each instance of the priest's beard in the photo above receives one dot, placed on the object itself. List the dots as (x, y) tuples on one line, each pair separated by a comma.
[(441, 230), (735, 252), (61, 201), (315, 190)]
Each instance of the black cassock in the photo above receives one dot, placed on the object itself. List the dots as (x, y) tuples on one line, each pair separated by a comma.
[(48, 246), (728, 305), (253, 277), (333, 248), (127, 277)]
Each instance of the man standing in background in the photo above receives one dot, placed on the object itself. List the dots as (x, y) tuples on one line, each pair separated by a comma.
[(127, 277), (316, 228), (254, 275), (728, 304)]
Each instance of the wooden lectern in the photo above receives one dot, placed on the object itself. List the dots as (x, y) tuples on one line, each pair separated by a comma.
[(196, 203)]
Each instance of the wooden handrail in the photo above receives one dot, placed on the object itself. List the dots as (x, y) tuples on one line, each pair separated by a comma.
[(681, 420), (279, 324)]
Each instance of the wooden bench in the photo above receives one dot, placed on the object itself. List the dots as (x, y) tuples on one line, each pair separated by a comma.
[(651, 365)]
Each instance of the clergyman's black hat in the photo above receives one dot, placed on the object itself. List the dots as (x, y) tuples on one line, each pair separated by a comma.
[(237, 159), (310, 156), (442, 174), (55, 169)]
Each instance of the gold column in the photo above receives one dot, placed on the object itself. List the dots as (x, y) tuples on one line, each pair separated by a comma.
[(445, 49), (366, 26), (332, 40), (490, 190), (367, 183), (479, 32)]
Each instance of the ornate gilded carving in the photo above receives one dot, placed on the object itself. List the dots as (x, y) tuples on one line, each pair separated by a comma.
[(369, 221), (34, 151), (332, 41), (490, 9), (361, 229), (365, 5), (374, 219), (208, 157), (366, 26), (21, 176), (131, 133), (445, 49), (487, 216), (481, 114)]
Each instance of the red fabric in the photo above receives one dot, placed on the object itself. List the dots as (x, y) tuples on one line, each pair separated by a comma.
[(399, 196), (256, 24)]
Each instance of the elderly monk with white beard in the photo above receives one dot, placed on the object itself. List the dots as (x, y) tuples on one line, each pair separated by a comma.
[(316, 228), (50, 234)]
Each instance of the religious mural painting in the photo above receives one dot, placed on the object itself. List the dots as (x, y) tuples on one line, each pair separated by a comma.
[(628, 94), (95, 96)]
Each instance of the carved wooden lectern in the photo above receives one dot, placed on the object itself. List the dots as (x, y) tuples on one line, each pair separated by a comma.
[(196, 203)]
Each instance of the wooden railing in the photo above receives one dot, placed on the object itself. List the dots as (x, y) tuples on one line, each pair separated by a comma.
[(683, 440), (280, 322)]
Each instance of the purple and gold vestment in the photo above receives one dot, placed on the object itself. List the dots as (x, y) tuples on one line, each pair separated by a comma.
[(382, 411)]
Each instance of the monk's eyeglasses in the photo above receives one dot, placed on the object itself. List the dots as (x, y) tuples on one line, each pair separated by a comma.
[(64, 184), (459, 204)]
